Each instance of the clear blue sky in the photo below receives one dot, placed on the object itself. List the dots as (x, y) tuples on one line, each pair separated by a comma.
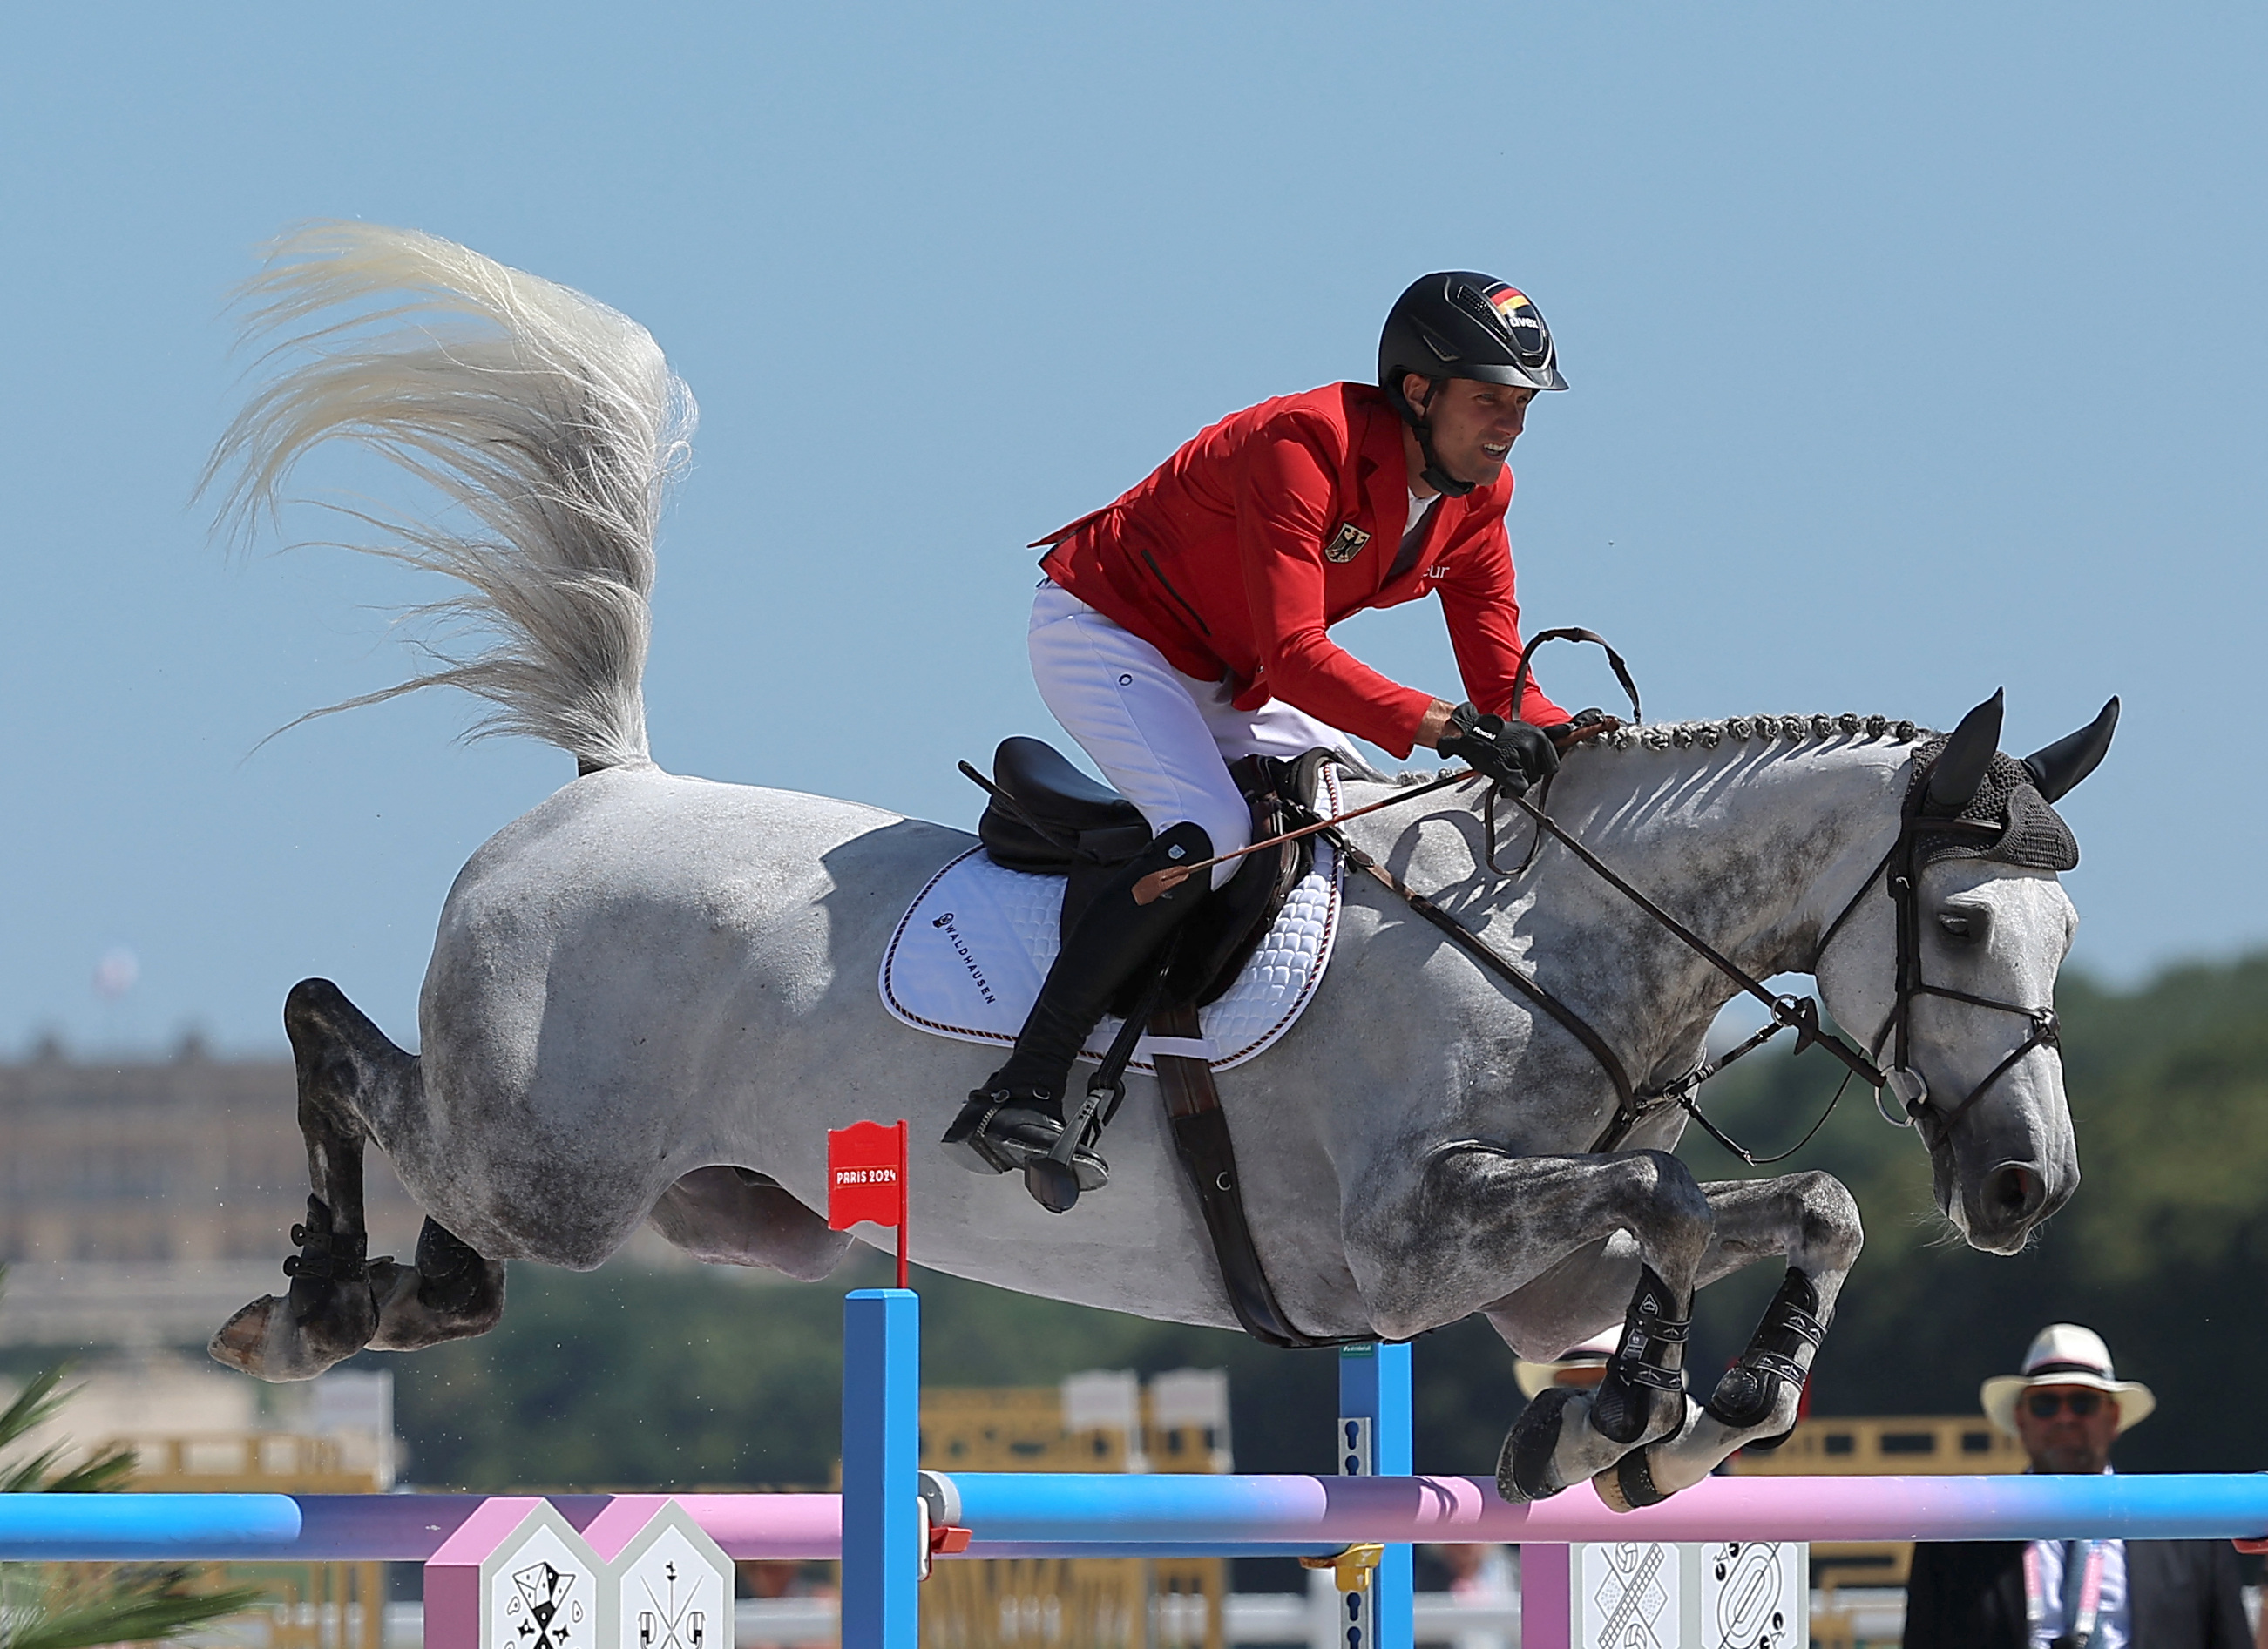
[(1915, 351)]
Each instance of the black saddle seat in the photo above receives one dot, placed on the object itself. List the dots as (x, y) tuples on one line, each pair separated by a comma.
[(1057, 822), (1040, 776), (1061, 818)]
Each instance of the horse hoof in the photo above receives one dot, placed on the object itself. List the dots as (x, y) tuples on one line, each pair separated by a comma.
[(240, 1341), (1523, 1469), (1053, 1185), (1629, 1484), (264, 1341)]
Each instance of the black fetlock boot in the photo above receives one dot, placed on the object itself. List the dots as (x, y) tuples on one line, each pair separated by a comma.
[(1018, 1115)]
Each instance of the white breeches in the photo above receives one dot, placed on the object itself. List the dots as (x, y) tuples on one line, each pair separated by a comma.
[(1162, 738)]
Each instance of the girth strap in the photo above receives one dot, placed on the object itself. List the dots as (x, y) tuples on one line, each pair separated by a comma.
[(1201, 1139)]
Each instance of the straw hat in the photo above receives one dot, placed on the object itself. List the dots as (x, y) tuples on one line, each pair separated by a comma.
[(2066, 1354), (1584, 1365)]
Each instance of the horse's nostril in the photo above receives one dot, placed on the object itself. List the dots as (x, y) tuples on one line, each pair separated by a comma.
[(2014, 1193)]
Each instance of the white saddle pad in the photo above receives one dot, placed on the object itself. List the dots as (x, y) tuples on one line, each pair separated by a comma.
[(968, 959)]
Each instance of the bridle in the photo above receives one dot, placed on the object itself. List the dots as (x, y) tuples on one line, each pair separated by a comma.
[(1901, 865), (1900, 870)]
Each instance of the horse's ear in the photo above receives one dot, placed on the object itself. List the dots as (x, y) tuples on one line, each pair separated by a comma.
[(1959, 767), (2057, 769)]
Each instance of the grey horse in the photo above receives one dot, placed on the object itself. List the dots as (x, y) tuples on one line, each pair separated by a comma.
[(652, 995)]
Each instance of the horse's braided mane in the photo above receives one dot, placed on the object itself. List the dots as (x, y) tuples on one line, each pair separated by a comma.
[(1708, 735)]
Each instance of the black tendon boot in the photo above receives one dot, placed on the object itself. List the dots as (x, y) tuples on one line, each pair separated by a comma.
[(1648, 1363), (1018, 1115), (1775, 1361)]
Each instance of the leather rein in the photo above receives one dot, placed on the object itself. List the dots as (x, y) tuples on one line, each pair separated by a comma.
[(1802, 1014)]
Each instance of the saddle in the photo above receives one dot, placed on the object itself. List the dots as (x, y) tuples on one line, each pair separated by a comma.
[(1047, 818)]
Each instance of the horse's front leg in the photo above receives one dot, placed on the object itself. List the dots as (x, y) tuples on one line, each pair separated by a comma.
[(1810, 1218), (1487, 1223)]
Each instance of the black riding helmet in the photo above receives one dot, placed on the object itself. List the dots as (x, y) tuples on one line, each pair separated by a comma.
[(1459, 323)]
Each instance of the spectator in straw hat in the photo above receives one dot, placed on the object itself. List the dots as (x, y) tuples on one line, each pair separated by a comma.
[(2067, 1407)]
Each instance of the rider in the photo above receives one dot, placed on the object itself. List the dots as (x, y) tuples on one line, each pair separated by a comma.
[(1183, 627)]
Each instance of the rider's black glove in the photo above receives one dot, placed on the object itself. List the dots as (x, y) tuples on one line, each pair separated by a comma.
[(1563, 733), (1513, 753)]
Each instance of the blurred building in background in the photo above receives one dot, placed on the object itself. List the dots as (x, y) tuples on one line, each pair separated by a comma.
[(141, 1202)]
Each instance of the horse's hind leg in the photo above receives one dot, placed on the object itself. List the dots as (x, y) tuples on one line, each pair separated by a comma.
[(733, 1216), (341, 1058), (341, 1300), (1811, 1220), (451, 1293)]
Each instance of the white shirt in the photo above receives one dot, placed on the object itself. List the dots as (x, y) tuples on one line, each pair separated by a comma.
[(2113, 1624), (1417, 508)]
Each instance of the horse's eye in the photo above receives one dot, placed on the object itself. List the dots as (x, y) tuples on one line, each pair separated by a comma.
[(1960, 927)]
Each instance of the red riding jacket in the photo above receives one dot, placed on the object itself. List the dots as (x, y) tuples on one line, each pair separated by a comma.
[(1241, 550)]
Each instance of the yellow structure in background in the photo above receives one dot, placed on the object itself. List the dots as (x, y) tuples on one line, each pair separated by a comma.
[(1095, 1422), (316, 1605), (1903, 1445)]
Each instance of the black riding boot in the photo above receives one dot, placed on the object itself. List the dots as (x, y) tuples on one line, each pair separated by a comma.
[(1018, 1115)]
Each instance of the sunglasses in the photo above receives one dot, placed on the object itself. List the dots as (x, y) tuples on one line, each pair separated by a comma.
[(2045, 1405)]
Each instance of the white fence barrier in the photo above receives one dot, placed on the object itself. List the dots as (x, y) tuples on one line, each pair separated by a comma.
[(1253, 1617)]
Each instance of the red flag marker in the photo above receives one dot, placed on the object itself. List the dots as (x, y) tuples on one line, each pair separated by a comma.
[(866, 1179)]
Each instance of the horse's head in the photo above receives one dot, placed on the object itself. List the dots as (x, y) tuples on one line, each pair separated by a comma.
[(1951, 974)]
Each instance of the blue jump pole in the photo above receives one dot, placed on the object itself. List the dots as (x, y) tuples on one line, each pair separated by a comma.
[(1073, 1513), (881, 1486), (145, 1527), (1373, 1441)]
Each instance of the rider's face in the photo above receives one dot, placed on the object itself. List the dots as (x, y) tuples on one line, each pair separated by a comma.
[(1473, 423)]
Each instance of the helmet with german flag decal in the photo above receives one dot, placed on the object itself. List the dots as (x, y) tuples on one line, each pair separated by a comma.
[(1462, 324), (1458, 323)]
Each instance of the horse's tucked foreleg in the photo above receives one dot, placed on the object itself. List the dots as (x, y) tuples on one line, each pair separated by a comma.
[(1777, 1362), (1566, 1433), (340, 1057), (1509, 1219), (1812, 1220)]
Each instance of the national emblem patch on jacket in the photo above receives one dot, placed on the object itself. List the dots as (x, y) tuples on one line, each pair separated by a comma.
[(1346, 544)]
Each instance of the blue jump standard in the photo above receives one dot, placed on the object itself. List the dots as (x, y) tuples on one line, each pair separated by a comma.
[(881, 1426), (881, 1458), (1373, 1441)]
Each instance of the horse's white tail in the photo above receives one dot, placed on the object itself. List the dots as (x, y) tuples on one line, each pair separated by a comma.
[(549, 420)]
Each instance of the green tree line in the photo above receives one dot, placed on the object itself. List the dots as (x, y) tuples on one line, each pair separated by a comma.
[(705, 1377)]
